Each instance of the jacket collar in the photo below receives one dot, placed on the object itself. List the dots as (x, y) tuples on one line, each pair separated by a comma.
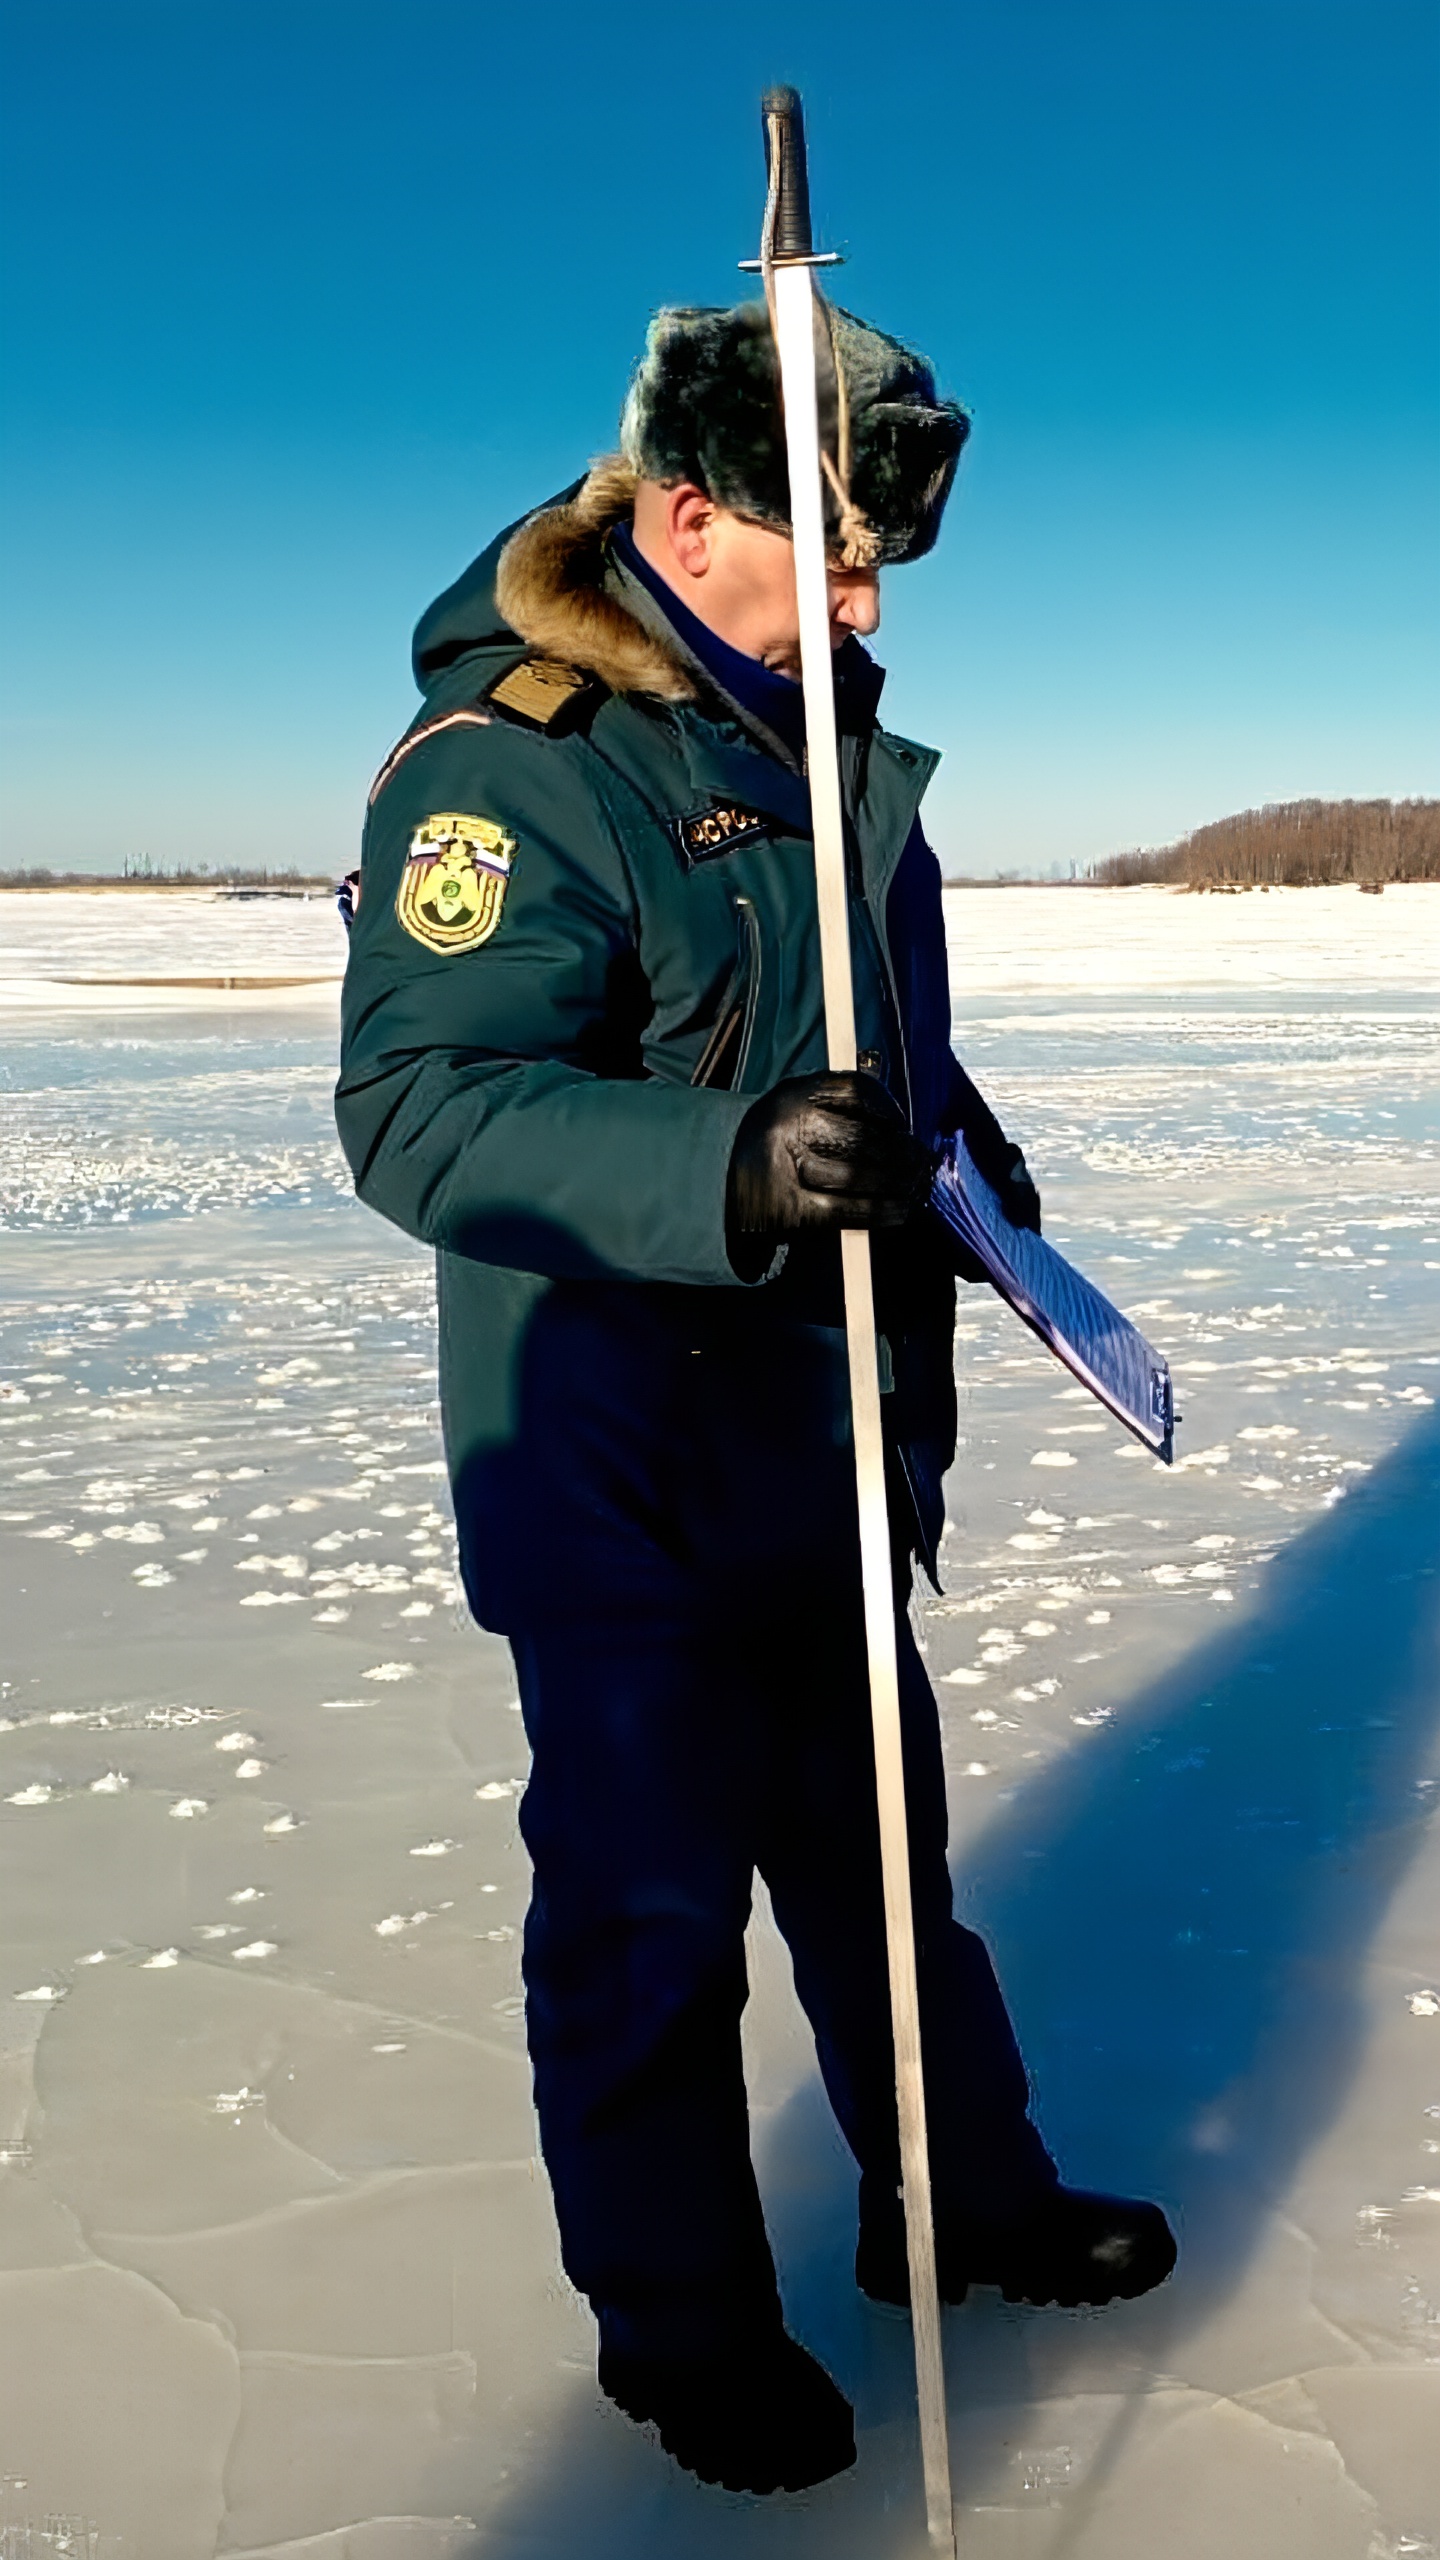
[(770, 704), (724, 675), (562, 590)]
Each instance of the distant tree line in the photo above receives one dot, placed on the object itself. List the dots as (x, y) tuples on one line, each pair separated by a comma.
[(143, 875), (1293, 844)]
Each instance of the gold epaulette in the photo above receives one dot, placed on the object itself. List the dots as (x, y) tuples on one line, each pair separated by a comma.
[(543, 693)]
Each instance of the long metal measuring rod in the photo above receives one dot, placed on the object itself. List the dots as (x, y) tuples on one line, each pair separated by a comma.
[(787, 261)]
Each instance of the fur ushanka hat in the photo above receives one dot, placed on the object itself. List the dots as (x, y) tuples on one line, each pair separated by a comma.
[(705, 406)]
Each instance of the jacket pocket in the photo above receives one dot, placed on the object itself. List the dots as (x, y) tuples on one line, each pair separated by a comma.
[(726, 1053)]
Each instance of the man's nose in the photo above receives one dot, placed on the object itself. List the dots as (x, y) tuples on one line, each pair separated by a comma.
[(856, 604)]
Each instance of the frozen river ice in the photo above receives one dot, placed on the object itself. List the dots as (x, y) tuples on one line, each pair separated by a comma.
[(278, 2272)]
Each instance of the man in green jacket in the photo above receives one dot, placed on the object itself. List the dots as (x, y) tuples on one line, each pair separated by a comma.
[(584, 1057)]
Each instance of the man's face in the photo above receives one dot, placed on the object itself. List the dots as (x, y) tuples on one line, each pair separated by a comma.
[(739, 577)]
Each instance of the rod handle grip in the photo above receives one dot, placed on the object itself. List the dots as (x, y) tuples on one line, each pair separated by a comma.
[(786, 173)]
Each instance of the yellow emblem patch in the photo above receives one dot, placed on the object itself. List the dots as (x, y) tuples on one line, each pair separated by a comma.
[(453, 886)]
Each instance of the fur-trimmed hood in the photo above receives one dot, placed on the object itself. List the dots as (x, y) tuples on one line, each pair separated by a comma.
[(543, 582), (551, 587)]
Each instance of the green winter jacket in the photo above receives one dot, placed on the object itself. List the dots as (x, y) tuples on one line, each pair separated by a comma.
[(545, 1079)]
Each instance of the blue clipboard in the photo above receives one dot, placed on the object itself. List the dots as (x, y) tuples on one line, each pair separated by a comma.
[(1102, 1348)]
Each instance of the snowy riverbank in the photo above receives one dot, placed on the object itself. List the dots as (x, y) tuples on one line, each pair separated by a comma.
[(89, 949)]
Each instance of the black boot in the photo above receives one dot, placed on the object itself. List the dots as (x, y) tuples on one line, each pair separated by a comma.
[(1073, 2247), (760, 2417)]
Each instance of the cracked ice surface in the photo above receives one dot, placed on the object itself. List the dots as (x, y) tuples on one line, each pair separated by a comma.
[(277, 2264)]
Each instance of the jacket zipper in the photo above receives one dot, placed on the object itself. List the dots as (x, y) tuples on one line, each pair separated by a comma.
[(727, 1051)]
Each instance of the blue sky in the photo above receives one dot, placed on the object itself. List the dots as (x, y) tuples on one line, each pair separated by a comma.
[(302, 300)]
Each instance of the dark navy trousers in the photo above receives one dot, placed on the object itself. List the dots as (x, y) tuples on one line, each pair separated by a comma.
[(693, 1680)]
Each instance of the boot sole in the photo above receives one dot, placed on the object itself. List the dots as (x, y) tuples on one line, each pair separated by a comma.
[(1036, 2298), (758, 2475), (758, 2482)]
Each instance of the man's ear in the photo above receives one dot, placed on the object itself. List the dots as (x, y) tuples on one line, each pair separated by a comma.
[(690, 527)]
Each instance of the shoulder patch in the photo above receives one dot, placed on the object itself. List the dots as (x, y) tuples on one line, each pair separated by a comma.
[(452, 889), (543, 693), (713, 831)]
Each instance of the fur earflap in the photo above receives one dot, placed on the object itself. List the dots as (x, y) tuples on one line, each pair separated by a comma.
[(550, 587)]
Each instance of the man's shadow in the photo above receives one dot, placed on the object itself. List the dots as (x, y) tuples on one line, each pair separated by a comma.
[(1181, 1910)]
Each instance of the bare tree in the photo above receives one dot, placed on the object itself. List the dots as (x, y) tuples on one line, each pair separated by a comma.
[(1293, 844)]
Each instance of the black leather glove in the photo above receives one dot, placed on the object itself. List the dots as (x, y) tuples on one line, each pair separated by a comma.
[(1018, 1196), (823, 1152)]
